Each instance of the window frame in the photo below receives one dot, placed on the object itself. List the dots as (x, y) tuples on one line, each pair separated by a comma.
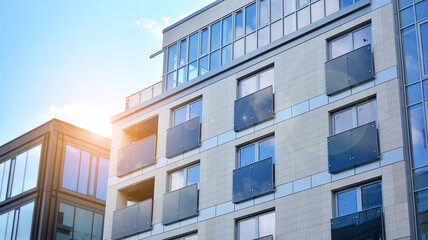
[(256, 145), (354, 109), (187, 105), (359, 197), (16, 211), (349, 34), (257, 83), (422, 66), (184, 169), (256, 218)]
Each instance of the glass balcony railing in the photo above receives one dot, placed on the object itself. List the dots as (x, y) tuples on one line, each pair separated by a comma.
[(137, 155), (144, 95), (180, 204), (183, 137)]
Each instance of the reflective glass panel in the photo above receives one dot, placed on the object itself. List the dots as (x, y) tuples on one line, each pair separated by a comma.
[(362, 37), (18, 175), (9, 227), (32, 168), (172, 81), (289, 6), (97, 228), (407, 16), (418, 139), (247, 229), (276, 10), (414, 93), (102, 178), (331, 6), (347, 202), (182, 76), (421, 10), (204, 41), (276, 30), (238, 48), (267, 149), (366, 113), (405, 3), (65, 221), (227, 30), (317, 11), (343, 121), (345, 3), (411, 55), (193, 175), (239, 25), (425, 83), (247, 86), (196, 110), (424, 38), (303, 18), (263, 12), (371, 195), (247, 155), (215, 60), (226, 54), (4, 180), (180, 115), (172, 57), (177, 180), (266, 78), (250, 43), (215, 35), (339, 47), (289, 24), (250, 18), (25, 221), (420, 178), (85, 162), (263, 35), (193, 70), (183, 52), (93, 173), (422, 213), (203, 65), (267, 225), (3, 224), (82, 224), (193, 47)]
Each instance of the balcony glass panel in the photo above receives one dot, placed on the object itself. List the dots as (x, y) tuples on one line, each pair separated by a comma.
[(137, 155), (132, 220), (188, 202)]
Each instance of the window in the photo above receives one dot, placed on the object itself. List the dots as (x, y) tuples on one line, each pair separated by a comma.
[(256, 227), (350, 42), (184, 177), (256, 82), (81, 169), (188, 111), (78, 223), (17, 223), (257, 151), (188, 237), (354, 116), (19, 174), (359, 199)]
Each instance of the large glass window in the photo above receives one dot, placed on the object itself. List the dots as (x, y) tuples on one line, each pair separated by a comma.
[(184, 177), (358, 199), (20, 174), (80, 171), (78, 223), (257, 151), (259, 226), (350, 41), (354, 116), (17, 223), (172, 58), (188, 111), (256, 82)]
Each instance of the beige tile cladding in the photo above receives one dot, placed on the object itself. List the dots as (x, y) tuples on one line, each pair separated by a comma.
[(300, 142)]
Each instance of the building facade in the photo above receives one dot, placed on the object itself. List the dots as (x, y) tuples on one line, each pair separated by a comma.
[(53, 183), (279, 119)]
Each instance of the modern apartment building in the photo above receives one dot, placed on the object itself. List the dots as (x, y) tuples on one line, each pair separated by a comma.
[(279, 119), (53, 183)]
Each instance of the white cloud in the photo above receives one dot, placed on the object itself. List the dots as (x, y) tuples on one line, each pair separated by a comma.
[(83, 115), (155, 26)]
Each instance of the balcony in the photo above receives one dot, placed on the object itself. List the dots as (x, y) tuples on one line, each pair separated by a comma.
[(367, 224), (132, 220), (144, 95), (349, 70), (353, 148), (180, 204), (137, 155), (253, 109), (183, 137), (253, 180)]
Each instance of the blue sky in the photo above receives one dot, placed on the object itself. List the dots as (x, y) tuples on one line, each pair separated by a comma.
[(77, 60)]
